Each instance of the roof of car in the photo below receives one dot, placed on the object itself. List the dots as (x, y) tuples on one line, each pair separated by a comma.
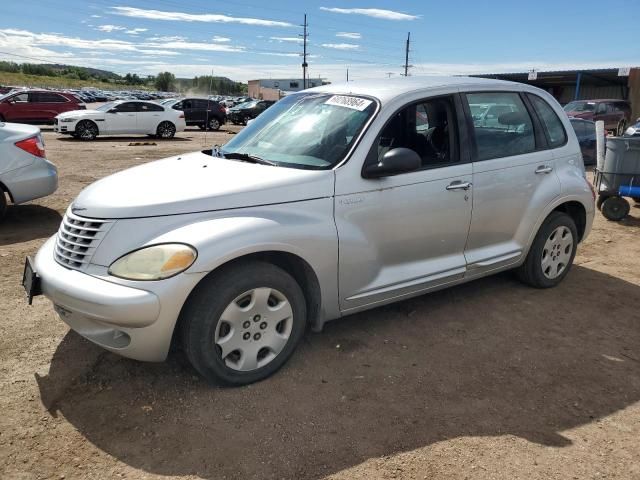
[(388, 88)]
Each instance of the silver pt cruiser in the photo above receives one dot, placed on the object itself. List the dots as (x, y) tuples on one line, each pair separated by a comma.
[(336, 200)]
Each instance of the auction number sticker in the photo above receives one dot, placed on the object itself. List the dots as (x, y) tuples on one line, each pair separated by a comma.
[(355, 103)]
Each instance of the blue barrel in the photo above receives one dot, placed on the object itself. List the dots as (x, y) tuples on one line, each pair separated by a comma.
[(629, 191)]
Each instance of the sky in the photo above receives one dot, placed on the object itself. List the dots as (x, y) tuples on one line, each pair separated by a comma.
[(250, 39)]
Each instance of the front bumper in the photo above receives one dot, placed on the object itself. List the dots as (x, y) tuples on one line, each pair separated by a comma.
[(125, 320)]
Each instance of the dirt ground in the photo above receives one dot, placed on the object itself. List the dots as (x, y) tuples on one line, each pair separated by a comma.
[(482, 381)]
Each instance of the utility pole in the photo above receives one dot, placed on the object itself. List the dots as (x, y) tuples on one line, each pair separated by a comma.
[(347, 74), (406, 56), (389, 74), (304, 53)]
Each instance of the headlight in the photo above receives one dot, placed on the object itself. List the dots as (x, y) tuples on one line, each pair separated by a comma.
[(68, 119), (154, 263)]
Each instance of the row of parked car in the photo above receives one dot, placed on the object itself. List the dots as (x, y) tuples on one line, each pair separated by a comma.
[(128, 115)]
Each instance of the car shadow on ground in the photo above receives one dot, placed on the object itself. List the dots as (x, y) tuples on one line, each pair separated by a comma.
[(28, 222), (488, 358), (127, 139)]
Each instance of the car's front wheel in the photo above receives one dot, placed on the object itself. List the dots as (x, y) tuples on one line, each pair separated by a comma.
[(166, 130), (552, 252), (621, 127), (86, 130), (240, 325)]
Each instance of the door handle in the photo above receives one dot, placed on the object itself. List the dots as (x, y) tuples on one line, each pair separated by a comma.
[(131, 115), (544, 169), (459, 185)]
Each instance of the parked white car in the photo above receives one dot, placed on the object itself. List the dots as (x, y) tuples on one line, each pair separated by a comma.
[(333, 201), (25, 172), (121, 118)]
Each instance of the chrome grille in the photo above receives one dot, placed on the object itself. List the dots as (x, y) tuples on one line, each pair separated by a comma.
[(78, 238)]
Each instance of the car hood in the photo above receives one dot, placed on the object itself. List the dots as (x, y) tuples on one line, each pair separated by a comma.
[(81, 113), (197, 182)]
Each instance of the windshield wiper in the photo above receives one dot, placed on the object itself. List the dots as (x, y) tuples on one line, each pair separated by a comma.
[(246, 157)]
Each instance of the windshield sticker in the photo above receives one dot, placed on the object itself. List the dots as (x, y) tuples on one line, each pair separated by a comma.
[(354, 103)]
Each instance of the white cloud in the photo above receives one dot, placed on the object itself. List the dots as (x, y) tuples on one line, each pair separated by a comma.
[(191, 17), (96, 16), (109, 28), (182, 45), (351, 35), (13, 38), (286, 39), (173, 38), (279, 54), (372, 12), (219, 39), (136, 31), (341, 46)]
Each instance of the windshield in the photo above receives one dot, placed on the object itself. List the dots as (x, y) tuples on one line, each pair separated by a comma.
[(307, 130), (106, 106), (580, 107)]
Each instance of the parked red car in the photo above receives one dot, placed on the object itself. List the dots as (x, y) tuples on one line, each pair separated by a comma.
[(615, 114), (36, 106)]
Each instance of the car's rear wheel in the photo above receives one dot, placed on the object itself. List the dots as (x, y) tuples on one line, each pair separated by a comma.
[(615, 208), (214, 124), (166, 130), (242, 324), (86, 130), (1, 118), (622, 124), (552, 252)]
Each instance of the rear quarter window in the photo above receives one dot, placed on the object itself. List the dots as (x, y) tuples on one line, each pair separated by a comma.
[(553, 128)]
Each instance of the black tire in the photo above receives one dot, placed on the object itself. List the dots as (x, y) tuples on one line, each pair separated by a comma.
[(166, 130), (1, 118), (3, 204), (86, 130), (621, 127), (245, 120), (200, 320), (214, 124), (600, 201), (615, 208), (531, 271)]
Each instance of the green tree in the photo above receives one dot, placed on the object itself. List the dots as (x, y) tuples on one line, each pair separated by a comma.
[(165, 81)]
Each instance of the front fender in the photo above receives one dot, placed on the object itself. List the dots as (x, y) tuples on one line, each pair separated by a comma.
[(305, 229)]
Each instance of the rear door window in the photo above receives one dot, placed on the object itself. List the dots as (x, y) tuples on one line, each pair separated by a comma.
[(47, 97), (502, 126), (551, 124), (149, 107), (127, 107)]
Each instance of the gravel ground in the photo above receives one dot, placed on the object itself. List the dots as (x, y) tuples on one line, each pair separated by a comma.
[(486, 380)]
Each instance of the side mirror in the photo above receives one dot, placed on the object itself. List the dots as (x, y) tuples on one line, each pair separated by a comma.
[(398, 160)]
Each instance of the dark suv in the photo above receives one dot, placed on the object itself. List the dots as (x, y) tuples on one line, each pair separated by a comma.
[(202, 112), (244, 112), (615, 114), (36, 106)]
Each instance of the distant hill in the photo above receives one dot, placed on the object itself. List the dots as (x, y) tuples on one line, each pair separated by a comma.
[(94, 72)]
